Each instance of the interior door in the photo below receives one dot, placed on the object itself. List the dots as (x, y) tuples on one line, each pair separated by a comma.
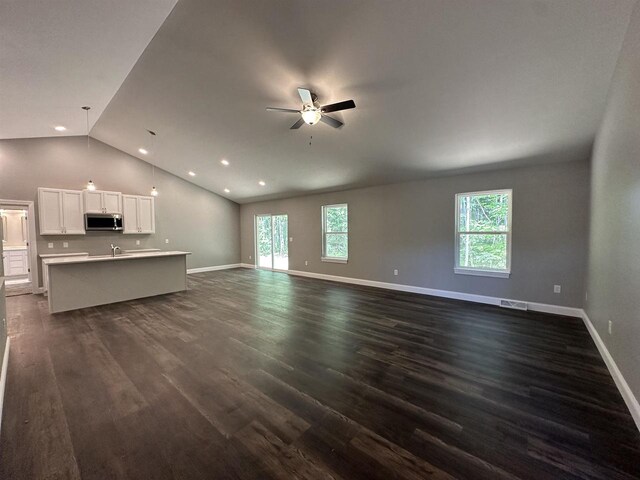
[(264, 241), (272, 241)]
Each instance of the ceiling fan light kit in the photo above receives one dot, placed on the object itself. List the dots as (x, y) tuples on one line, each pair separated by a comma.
[(311, 113)]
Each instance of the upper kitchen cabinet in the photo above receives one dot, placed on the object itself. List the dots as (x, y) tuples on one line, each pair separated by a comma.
[(138, 214), (60, 211), (100, 201)]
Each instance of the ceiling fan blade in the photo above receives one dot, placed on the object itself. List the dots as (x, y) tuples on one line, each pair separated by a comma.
[(305, 95), (297, 125), (286, 110), (331, 121), (336, 107)]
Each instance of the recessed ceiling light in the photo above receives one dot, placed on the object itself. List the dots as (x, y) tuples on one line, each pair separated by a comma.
[(193, 174), (261, 183), (59, 128), (224, 162), (226, 190), (143, 151)]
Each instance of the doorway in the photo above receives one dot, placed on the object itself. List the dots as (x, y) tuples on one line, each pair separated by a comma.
[(272, 242), (18, 247)]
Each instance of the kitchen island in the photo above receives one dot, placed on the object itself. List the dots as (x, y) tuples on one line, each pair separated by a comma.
[(86, 281)]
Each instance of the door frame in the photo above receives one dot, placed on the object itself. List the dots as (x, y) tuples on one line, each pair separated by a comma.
[(32, 248), (255, 240)]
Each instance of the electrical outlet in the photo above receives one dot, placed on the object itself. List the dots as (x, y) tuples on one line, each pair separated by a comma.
[(166, 240), (557, 289), (306, 263), (50, 245), (249, 257), (395, 272), (65, 244), (610, 326), (137, 242), (291, 239)]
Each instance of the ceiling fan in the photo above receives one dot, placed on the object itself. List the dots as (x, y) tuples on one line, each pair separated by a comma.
[(312, 113)]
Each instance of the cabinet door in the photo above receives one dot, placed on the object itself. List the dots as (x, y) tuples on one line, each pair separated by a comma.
[(92, 202), (5, 263), (50, 210), (112, 202), (146, 215), (17, 262), (72, 215), (130, 213)]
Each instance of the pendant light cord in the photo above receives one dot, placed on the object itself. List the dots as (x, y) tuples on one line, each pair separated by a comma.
[(86, 109)]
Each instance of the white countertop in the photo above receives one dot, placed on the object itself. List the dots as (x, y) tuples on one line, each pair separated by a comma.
[(108, 258)]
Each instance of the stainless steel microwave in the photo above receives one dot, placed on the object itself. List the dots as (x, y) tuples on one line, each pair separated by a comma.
[(102, 222)]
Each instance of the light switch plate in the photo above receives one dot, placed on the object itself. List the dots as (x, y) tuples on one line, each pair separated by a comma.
[(137, 242), (65, 244)]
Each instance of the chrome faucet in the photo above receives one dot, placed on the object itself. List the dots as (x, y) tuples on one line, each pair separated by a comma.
[(113, 250)]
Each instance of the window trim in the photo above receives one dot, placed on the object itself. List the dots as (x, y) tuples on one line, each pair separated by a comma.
[(323, 219), (483, 272)]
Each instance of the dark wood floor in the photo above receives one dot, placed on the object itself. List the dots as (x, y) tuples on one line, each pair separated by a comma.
[(256, 374)]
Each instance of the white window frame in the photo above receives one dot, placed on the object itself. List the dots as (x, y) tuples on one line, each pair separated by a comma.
[(323, 257), (484, 272)]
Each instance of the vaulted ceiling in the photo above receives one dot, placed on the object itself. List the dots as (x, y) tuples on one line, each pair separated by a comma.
[(58, 55), (440, 86)]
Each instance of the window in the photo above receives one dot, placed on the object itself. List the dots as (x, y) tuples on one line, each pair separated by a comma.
[(335, 233), (483, 233)]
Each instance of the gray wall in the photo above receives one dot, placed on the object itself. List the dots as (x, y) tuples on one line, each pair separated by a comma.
[(192, 218), (614, 259), (410, 227)]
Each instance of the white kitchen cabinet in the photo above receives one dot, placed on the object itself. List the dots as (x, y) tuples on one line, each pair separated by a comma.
[(61, 212), (100, 201), (138, 214)]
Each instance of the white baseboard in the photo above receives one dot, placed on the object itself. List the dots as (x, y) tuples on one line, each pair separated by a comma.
[(213, 269), (3, 376), (627, 395), (470, 297)]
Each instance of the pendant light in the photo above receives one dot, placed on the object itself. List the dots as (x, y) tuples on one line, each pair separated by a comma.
[(154, 191), (90, 186)]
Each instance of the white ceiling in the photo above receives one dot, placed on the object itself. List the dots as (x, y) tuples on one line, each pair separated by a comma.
[(58, 55), (440, 86)]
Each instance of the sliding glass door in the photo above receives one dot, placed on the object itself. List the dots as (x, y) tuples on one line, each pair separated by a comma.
[(272, 241)]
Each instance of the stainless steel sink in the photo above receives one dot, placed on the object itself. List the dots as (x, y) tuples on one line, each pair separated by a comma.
[(111, 256)]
